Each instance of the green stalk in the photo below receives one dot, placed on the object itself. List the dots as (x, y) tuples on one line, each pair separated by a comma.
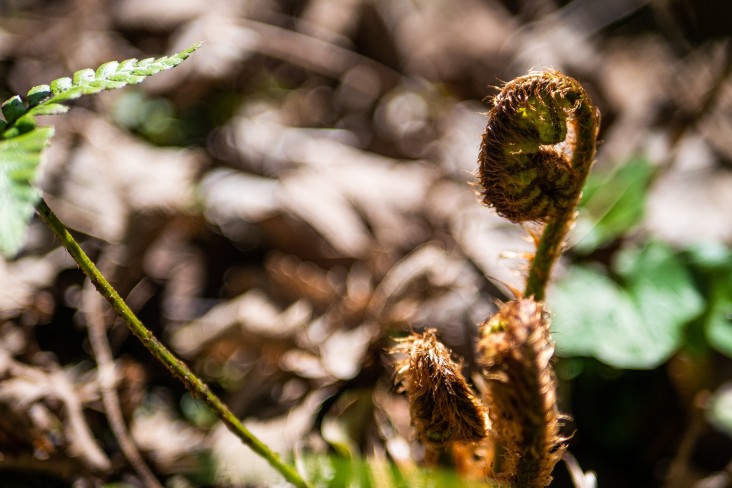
[(547, 252), (177, 367)]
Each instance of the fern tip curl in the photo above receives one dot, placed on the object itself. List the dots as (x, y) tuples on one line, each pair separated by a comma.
[(537, 147)]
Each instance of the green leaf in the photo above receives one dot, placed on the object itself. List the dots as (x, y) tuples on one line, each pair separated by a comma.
[(612, 204), (83, 76), (711, 258), (713, 262), (23, 125), (106, 69), (718, 326), (47, 109), (19, 159), (37, 94), (46, 99), (662, 289), (113, 75), (638, 323), (21, 143), (593, 316), (61, 85), (13, 108), (336, 471)]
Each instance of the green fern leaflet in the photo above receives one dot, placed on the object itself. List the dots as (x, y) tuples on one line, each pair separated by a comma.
[(22, 142), (19, 158)]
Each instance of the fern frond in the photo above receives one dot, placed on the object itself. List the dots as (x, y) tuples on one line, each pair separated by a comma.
[(19, 160), (47, 99), (108, 76), (21, 141)]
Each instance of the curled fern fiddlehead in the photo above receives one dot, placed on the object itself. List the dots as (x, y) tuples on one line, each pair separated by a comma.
[(537, 147)]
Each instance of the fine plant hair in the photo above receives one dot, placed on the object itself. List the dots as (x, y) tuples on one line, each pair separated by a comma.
[(536, 152), (21, 145)]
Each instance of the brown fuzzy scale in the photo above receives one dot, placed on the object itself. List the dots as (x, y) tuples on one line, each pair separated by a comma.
[(442, 405), (515, 350), (526, 156)]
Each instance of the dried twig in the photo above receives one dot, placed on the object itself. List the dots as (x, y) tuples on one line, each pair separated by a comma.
[(96, 328)]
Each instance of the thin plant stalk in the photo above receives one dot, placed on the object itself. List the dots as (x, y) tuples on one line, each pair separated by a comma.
[(548, 251), (177, 367)]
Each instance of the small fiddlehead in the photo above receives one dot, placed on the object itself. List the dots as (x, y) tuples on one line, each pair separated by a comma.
[(443, 408), (537, 150), (515, 350)]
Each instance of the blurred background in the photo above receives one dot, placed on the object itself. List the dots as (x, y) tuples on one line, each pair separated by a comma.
[(297, 194)]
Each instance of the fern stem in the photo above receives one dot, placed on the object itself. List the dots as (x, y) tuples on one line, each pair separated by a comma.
[(548, 251), (177, 367)]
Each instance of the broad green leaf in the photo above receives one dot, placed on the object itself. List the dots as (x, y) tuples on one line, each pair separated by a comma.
[(662, 289), (713, 262), (612, 204), (593, 316), (711, 257), (718, 326), (638, 323), (19, 159)]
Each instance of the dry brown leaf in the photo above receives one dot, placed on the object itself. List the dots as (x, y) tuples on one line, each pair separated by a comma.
[(28, 395), (111, 176), (252, 316), (22, 279), (168, 441)]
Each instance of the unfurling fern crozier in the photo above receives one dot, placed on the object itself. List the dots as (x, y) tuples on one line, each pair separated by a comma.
[(537, 147)]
